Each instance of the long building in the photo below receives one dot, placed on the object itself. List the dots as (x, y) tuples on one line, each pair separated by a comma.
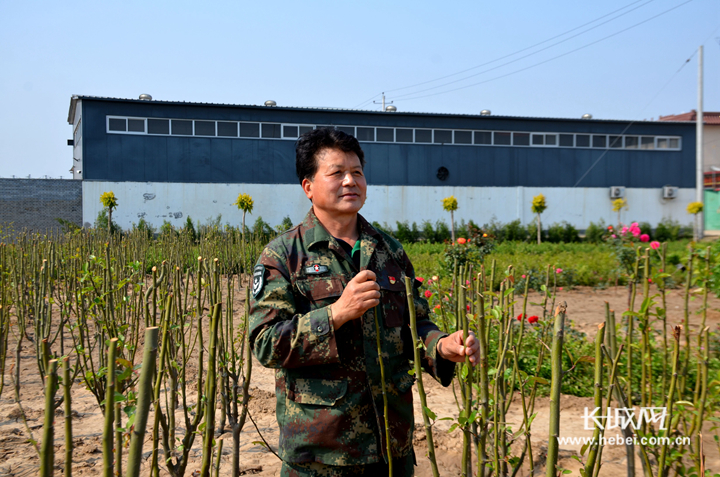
[(167, 160)]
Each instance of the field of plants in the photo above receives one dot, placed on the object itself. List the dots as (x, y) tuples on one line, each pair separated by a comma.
[(126, 354)]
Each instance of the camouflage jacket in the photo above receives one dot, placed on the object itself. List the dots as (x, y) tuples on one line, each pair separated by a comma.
[(328, 386)]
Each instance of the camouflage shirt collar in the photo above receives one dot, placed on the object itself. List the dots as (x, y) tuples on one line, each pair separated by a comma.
[(314, 231)]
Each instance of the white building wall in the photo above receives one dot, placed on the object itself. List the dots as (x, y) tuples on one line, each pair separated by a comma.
[(174, 202)]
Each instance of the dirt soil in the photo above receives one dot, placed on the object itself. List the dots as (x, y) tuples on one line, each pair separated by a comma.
[(585, 310)]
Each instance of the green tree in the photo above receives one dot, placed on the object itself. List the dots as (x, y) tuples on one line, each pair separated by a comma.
[(618, 206), (110, 202), (538, 207), (695, 208), (450, 204)]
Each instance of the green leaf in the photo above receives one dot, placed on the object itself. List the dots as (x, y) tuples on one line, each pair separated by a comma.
[(567, 471), (453, 427), (429, 413), (583, 448)]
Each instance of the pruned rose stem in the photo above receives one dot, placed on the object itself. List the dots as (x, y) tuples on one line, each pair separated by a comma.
[(555, 385), (663, 470), (484, 395), (388, 446)]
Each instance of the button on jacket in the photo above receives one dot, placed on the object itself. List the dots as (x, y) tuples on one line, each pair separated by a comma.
[(328, 386)]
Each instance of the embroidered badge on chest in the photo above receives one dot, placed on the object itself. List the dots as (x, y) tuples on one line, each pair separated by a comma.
[(258, 279), (316, 269), (392, 280)]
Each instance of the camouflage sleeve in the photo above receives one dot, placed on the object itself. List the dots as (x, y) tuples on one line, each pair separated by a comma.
[(441, 369), (279, 336)]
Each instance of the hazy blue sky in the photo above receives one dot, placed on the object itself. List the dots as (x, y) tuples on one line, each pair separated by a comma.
[(342, 54)]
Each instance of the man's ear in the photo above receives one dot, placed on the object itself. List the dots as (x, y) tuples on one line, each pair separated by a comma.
[(307, 186)]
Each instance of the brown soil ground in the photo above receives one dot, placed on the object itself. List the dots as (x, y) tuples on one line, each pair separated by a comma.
[(585, 310)]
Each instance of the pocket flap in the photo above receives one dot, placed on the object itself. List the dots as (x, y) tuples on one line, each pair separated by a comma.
[(403, 380), (320, 288), (317, 391)]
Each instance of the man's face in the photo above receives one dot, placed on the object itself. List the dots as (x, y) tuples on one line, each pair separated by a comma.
[(338, 188)]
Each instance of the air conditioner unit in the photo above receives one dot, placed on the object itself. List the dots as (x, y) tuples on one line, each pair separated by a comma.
[(670, 192), (617, 192)]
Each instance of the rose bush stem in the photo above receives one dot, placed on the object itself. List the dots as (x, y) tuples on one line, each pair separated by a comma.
[(417, 343), (67, 411), (108, 431), (597, 399), (555, 385), (144, 399), (386, 415), (47, 447)]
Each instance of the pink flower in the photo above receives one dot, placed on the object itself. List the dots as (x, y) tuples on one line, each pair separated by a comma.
[(644, 238), (467, 282), (613, 236), (635, 231), (461, 240), (655, 245), (420, 279), (559, 270), (560, 288), (523, 276), (624, 231), (650, 280), (533, 319), (428, 293), (634, 224)]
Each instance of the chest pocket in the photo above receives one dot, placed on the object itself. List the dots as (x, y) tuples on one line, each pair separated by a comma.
[(394, 302), (320, 291)]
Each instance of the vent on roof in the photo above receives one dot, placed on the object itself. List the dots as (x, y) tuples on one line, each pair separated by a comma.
[(270, 102), (587, 116), (145, 97), (485, 112), (390, 109)]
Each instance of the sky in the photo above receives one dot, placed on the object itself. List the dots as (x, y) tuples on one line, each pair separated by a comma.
[(614, 59)]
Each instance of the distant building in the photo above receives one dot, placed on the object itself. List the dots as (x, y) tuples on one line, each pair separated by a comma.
[(168, 160), (711, 162)]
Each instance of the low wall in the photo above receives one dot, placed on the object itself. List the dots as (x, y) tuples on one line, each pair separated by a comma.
[(36, 204)]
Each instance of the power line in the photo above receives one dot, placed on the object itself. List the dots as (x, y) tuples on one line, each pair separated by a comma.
[(633, 122), (521, 50), (550, 59)]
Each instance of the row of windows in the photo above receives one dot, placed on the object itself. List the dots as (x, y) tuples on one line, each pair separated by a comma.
[(230, 129)]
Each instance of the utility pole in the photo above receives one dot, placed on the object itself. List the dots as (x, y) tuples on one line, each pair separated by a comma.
[(700, 121), (383, 102)]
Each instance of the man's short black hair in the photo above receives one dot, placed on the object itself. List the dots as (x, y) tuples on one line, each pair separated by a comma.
[(312, 142)]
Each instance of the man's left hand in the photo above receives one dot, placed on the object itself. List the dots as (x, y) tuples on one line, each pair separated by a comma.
[(451, 348)]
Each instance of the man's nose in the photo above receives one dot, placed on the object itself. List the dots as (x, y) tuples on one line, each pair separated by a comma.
[(348, 180)]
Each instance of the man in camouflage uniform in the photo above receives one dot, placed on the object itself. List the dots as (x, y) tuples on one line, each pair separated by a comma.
[(315, 291)]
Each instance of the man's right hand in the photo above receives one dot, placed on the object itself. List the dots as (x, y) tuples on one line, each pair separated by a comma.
[(361, 294)]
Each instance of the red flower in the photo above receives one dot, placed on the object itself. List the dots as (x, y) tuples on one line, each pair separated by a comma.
[(461, 240), (437, 307), (467, 307), (533, 319), (520, 317), (428, 293), (420, 279)]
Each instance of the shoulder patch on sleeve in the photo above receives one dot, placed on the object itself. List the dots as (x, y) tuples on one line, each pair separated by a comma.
[(258, 279)]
